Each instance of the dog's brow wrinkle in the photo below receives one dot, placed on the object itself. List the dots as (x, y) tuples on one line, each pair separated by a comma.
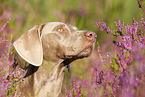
[(70, 28), (58, 26)]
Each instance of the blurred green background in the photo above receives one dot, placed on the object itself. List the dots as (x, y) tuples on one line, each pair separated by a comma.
[(81, 13)]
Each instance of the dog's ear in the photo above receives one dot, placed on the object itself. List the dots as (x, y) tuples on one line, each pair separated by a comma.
[(29, 46)]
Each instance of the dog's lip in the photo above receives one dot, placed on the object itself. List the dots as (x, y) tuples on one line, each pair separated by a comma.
[(87, 50)]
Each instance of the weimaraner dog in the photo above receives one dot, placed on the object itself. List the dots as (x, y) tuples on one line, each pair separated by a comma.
[(47, 50)]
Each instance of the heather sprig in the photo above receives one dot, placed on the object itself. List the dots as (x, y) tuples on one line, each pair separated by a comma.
[(119, 25), (143, 23), (5, 24), (140, 3), (76, 90), (102, 27)]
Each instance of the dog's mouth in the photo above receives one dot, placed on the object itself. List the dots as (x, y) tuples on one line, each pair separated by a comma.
[(81, 54), (85, 52)]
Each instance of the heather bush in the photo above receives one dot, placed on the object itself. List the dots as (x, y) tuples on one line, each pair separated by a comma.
[(8, 77), (124, 74)]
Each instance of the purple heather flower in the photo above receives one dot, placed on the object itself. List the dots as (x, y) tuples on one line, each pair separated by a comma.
[(127, 41), (143, 22), (142, 19), (77, 90), (5, 57), (128, 28), (119, 25), (101, 25), (108, 54), (108, 29), (134, 27), (5, 24)]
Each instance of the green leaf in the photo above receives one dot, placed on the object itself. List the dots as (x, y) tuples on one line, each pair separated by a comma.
[(115, 65)]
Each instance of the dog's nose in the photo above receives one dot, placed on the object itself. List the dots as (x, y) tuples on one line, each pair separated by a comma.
[(90, 35)]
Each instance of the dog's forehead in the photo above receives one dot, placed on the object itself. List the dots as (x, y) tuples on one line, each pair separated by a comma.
[(54, 24), (49, 27)]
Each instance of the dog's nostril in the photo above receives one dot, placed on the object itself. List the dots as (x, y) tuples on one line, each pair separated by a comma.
[(90, 34)]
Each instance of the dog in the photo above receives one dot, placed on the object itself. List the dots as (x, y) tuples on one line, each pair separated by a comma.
[(45, 51)]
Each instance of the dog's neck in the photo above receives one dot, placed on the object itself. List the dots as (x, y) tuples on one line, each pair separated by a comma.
[(50, 68), (53, 69), (49, 78)]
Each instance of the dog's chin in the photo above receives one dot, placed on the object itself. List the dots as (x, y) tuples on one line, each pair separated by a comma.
[(85, 52)]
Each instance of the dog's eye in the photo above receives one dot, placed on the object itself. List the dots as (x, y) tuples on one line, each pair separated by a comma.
[(60, 30)]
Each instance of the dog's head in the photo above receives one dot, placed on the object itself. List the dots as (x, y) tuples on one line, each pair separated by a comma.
[(54, 40)]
